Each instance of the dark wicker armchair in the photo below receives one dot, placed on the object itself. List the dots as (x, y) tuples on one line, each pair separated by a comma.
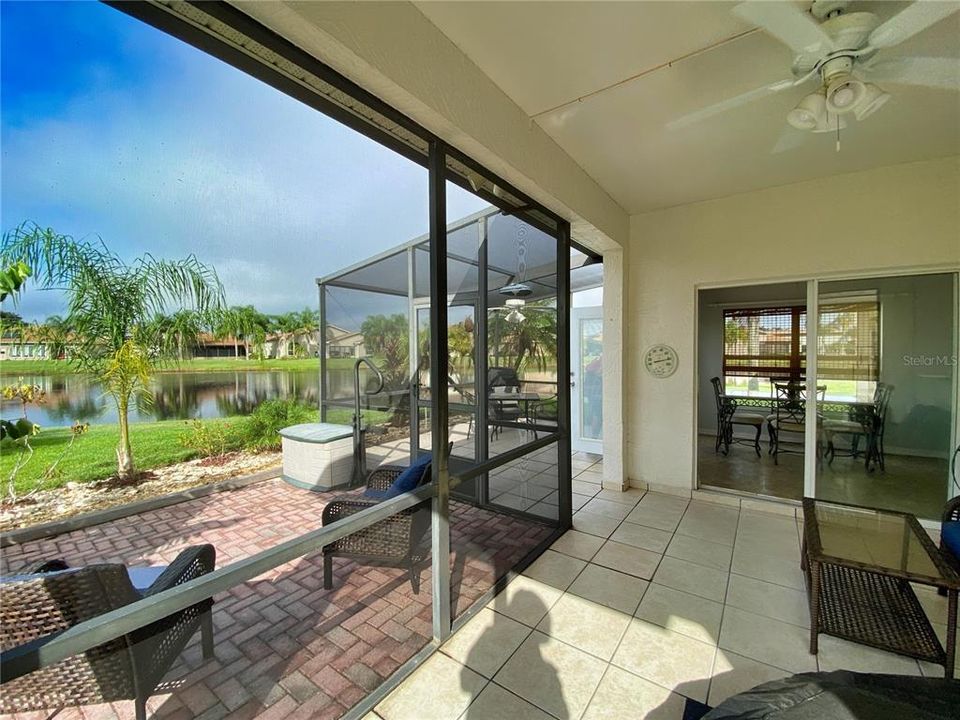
[(394, 542), (128, 668)]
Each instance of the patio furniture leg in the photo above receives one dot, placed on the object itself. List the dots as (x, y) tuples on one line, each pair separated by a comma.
[(415, 577), (140, 708), (814, 570), (206, 634), (756, 442), (328, 572), (951, 633)]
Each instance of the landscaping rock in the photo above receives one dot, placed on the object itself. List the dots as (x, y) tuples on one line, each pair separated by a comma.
[(76, 498)]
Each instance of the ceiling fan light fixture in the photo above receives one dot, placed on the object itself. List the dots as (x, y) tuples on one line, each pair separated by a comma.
[(873, 99), (809, 112), (844, 94)]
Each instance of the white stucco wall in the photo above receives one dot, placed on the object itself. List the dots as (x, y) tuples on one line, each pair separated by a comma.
[(903, 216)]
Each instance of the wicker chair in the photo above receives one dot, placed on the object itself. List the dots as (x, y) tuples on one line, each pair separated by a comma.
[(393, 542), (951, 513), (34, 608)]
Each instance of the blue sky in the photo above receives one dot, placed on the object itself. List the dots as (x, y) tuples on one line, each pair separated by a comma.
[(112, 128)]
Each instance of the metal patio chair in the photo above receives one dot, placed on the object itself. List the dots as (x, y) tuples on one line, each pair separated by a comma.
[(727, 417)]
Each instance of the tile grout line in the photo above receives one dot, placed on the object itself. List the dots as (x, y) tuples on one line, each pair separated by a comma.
[(723, 611)]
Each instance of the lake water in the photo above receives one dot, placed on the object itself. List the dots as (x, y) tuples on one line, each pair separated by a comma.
[(176, 395)]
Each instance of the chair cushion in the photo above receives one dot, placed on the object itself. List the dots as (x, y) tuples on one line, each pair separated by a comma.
[(143, 577), (791, 427), (751, 418), (950, 535), (406, 481), (843, 426)]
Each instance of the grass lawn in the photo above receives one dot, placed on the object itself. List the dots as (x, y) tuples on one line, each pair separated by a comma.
[(344, 416), (11, 368), (92, 456), (155, 444)]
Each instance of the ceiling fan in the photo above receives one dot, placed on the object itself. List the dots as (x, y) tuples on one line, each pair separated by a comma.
[(841, 51)]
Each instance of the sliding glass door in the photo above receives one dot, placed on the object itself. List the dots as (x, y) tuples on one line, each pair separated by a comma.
[(865, 414), (886, 357)]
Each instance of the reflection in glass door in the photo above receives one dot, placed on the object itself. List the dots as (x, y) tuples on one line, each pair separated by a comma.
[(586, 406), (886, 354)]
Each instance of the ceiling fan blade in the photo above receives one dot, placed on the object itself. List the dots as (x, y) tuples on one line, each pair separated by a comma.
[(913, 19), (932, 72), (730, 103), (790, 139), (788, 23)]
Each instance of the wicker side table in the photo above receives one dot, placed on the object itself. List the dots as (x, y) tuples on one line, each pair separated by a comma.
[(859, 563)]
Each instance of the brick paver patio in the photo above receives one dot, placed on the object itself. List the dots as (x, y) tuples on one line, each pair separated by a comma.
[(286, 648)]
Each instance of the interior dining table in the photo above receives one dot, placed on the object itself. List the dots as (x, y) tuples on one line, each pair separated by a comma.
[(864, 413)]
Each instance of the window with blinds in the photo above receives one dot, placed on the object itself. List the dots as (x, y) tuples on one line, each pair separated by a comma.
[(848, 340), (771, 342), (765, 342)]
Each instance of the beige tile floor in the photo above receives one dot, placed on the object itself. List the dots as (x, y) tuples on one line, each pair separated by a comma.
[(649, 599)]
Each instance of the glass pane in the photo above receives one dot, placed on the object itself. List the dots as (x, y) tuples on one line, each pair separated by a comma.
[(873, 538), (488, 540), (752, 343), (522, 339), (591, 377), (885, 359)]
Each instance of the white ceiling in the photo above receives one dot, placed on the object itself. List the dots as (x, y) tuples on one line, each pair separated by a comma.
[(547, 55)]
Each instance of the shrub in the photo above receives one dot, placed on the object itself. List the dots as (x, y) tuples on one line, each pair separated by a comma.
[(207, 439), (260, 431)]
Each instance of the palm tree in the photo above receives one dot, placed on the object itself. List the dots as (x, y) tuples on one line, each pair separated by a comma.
[(55, 332), (286, 326), (532, 339), (184, 331), (110, 306), (244, 323)]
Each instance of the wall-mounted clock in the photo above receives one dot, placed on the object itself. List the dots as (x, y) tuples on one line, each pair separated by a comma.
[(660, 361)]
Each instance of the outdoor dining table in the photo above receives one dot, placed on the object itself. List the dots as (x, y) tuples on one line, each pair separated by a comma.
[(522, 398)]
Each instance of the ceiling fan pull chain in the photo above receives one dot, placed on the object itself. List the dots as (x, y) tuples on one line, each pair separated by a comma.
[(838, 133)]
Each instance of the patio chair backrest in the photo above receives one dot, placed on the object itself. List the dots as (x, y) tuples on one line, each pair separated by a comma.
[(791, 402), (502, 376), (40, 605), (717, 394)]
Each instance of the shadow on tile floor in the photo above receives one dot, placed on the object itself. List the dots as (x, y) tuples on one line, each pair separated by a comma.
[(496, 702)]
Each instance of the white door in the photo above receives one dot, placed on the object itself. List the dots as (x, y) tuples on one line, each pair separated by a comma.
[(586, 380)]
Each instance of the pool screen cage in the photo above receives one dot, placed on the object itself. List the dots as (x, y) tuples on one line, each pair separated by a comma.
[(502, 317)]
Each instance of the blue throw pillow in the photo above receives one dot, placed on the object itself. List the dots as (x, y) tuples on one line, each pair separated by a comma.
[(950, 534), (406, 481)]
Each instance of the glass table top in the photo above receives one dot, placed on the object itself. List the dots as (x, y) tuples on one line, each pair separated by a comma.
[(876, 538)]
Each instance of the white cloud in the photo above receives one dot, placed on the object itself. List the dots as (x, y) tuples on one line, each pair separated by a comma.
[(202, 159)]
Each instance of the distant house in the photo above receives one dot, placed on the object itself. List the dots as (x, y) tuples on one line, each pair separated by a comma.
[(209, 346), (17, 348), (303, 343), (26, 345), (342, 343)]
